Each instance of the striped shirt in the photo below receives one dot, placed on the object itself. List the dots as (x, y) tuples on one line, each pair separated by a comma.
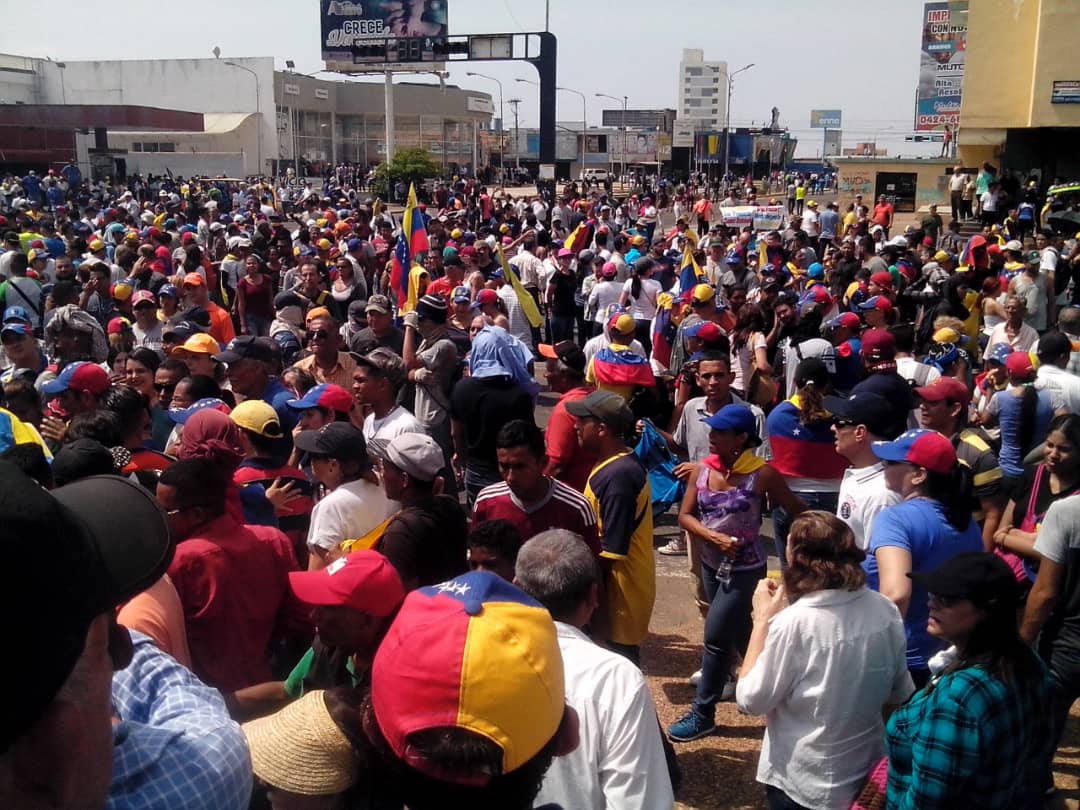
[(562, 508)]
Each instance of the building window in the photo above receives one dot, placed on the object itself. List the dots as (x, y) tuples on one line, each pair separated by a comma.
[(694, 71), (136, 147), (166, 147)]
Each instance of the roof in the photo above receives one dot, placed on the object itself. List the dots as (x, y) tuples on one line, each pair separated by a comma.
[(213, 124), (114, 117)]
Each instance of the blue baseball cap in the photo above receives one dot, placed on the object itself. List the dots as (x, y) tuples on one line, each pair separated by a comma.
[(81, 376), (325, 395), (921, 447), (181, 415), (461, 295), (353, 244), (998, 353), (16, 313), (17, 329), (738, 418), (816, 270), (170, 290), (497, 273)]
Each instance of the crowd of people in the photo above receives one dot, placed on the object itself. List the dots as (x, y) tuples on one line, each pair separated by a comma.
[(313, 544)]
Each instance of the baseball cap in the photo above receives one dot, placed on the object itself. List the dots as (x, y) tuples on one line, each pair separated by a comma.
[(863, 408), (378, 303), (96, 245), (942, 256), (1033, 257), (121, 291), (607, 407), (609, 270), (143, 297), (168, 290), (567, 351), (816, 271), (921, 447), (181, 415), (325, 395), (94, 564), (258, 417), (485, 297), (984, 579), (461, 295), (245, 347), (883, 278), (17, 328), (880, 302), (738, 418), (623, 324), (339, 440), (947, 334), (81, 376), (1014, 245), (945, 389), (17, 313), (386, 362), (565, 253), (844, 319), (1019, 364), (417, 455), (474, 653), (364, 581), (194, 279), (199, 343), (878, 345), (703, 294), (998, 353), (815, 295)]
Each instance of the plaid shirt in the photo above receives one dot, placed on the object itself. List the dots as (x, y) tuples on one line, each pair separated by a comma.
[(176, 745), (970, 740)]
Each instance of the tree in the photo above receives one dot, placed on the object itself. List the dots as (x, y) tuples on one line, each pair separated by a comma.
[(408, 166)]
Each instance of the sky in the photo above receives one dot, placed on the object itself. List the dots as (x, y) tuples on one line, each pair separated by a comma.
[(859, 57)]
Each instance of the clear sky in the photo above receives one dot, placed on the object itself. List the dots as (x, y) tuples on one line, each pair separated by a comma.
[(857, 56)]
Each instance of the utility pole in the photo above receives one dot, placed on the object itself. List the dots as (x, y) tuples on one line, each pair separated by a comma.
[(514, 102)]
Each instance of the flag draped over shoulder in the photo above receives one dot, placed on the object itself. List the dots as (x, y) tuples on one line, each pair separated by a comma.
[(581, 237), (690, 272), (525, 299), (412, 241), (622, 367)]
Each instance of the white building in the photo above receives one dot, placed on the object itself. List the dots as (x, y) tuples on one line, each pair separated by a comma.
[(702, 90)]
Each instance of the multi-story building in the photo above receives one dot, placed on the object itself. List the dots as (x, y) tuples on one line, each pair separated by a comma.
[(702, 90)]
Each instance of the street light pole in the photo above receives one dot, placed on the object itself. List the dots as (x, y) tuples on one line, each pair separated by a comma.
[(727, 118), (502, 120), (584, 126), (622, 163), (258, 111), (517, 135)]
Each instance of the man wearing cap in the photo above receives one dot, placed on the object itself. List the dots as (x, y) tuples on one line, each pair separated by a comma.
[(71, 638), (21, 349), (425, 541), (378, 378), (943, 406), (196, 294), (356, 503), (878, 354), (380, 330), (147, 328), (326, 363), (249, 361), (231, 578), (620, 761), (860, 420), (619, 491), (77, 389), (353, 602), (321, 405), (431, 362)]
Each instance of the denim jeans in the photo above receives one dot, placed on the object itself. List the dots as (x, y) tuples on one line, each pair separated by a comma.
[(778, 800), (260, 327), (562, 328), (1064, 690), (727, 628), (476, 480), (826, 501)]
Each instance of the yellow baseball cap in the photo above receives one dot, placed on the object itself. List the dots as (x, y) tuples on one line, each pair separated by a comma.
[(624, 325), (200, 343), (258, 417), (704, 293)]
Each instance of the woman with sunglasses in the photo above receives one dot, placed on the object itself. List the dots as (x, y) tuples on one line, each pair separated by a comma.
[(347, 286), (977, 735), (931, 524)]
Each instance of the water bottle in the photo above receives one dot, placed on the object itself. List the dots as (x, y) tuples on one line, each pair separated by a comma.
[(723, 572)]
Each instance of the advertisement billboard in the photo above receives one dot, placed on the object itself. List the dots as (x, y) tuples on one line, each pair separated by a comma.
[(825, 119), (683, 134), (941, 65), (640, 147), (832, 143), (346, 24)]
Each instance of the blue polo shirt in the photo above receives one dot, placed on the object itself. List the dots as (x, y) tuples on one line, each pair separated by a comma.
[(276, 396)]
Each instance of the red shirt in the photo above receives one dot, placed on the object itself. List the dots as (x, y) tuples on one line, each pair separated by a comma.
[(563, 447), (563, 508), (442, 286), (882, 214), (233, 583)]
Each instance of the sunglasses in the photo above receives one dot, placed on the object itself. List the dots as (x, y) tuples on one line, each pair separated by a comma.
[(163, 387), (320, 334), (843, 423), (946, 601)]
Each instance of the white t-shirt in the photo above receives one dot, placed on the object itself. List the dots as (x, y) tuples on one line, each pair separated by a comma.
[(810, 222), (643, 308), (392, 425), (603, 295), (349, 512), (863, 495)]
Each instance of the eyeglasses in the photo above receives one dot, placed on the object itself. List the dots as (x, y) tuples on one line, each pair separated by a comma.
[(320, 334), (946, 601)]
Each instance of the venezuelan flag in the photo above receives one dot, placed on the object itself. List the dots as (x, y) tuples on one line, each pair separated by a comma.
[(581, 237), (525, 299), (622, 367), (690, 272), (412, 241)]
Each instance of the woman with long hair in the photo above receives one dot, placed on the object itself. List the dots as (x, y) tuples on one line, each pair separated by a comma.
[(976, 735), (723, 507), (811, 630), (1024, 413), (1055, 478), (255, 298), (930, 525), (749, 350), (141, 367), (639, 296), (347, 286), (804, 447)]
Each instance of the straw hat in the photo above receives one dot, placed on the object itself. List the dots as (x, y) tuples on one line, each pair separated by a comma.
[(300, 749)]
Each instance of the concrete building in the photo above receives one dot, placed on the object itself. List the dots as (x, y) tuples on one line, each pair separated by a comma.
[(702, 90), (255, 119), (1021, 95)]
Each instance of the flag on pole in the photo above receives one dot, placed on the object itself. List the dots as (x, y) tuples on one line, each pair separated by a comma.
[(411, 242), (690, 272), (525, 299)]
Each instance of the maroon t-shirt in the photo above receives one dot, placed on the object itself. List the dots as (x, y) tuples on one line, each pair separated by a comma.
[(563, 508)]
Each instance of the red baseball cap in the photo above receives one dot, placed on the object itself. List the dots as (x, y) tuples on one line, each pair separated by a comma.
[(921, 447), (81, 376), (945, 389), (485, 297), (364, 581), (883, 278)]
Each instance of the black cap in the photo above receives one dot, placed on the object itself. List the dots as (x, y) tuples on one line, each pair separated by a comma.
[(340, 440), (606, 406), (197, 316), (107, 541), (181, 331), (246, 347), (287, 299), (984, 579), (81, 459), (864, 408), (567, 351)]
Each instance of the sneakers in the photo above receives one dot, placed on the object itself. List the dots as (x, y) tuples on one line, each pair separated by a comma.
[(728, 692), (676, 547), (695, 679), (692, 726)]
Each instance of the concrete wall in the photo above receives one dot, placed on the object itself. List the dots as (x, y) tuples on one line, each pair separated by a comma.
[(1057, 59), (859, 176)]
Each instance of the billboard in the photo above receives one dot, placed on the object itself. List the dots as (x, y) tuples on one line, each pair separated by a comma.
[(941, 65), (683, 134), (832, 143), (346, 24), (825, 119), (640, 147)]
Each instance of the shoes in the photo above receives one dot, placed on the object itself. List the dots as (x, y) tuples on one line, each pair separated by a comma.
[(728, 692), (692, 726), (695, 679), (676, 547)]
